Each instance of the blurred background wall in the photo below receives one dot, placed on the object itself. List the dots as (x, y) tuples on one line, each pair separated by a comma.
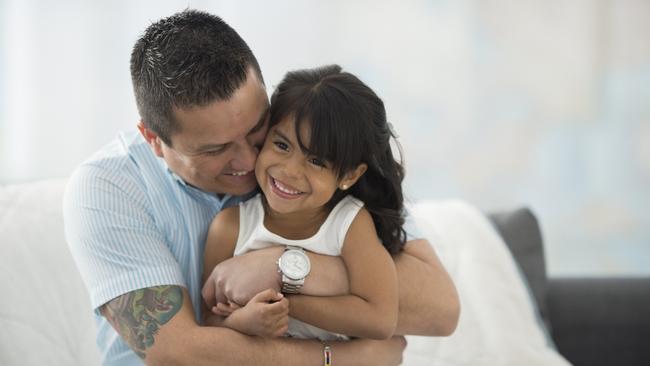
[(544, 103)]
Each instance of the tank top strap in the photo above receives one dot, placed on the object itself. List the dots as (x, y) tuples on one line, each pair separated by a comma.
[(251, 216), (339, 221)]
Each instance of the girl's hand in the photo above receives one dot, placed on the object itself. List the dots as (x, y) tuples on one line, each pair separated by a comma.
[(265, 315), (225, 309)]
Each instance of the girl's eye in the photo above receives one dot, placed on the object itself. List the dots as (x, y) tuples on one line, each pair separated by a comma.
[(281, 145), (318, 162)]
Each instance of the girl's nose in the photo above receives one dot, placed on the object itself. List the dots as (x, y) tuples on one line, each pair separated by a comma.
[(293, 168)]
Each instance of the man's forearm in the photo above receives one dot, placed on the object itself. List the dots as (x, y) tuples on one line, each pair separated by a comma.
[(212, 346), (242, 277), (223, 346), (428, 301), (181, 341)]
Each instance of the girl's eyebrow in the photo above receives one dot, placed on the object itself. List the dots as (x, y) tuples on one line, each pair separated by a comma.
[(281, 135)]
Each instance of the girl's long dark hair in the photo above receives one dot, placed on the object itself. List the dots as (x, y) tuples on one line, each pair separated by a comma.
[(348, 127)]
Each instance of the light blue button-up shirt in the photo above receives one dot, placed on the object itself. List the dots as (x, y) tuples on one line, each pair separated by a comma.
[(131, 223)]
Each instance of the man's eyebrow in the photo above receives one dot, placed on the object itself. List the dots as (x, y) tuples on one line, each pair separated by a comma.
[(208, 147), (261, 122)]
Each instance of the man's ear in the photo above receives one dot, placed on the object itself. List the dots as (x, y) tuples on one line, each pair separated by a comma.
[(352, 177), (152, 139)]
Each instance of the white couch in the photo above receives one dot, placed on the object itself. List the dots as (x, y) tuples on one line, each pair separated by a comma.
[(44, 311)]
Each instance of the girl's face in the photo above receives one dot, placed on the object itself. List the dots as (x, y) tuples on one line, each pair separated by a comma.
[(291, 180)]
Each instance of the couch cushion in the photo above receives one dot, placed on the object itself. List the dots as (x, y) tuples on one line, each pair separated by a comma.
[(45, 314), (498, 324), (520, 230)]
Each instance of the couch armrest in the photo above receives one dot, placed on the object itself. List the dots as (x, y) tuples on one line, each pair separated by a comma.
[(601, 321)]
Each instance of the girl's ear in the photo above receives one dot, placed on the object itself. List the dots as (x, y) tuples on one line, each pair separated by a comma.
[(352, 177)]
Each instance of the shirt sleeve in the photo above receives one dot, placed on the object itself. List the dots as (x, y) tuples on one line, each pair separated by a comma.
[(113, 237)]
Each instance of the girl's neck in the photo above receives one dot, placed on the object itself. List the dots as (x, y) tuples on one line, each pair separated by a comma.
[(294, 225)]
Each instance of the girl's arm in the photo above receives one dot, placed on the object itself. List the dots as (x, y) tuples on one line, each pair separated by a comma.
[(370, 310), (219, 246)]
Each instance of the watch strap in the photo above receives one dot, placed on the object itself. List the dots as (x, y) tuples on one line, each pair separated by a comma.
[(291, 288)]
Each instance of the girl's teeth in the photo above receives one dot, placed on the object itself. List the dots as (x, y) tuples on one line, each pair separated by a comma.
[(284, 189)]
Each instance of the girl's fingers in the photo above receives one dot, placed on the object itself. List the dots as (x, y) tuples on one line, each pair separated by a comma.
[(268, 295), (219, 310), (233, 305), (280, 307)]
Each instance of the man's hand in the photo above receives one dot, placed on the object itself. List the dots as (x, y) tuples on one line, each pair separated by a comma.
[(266, 315), (240, 278)]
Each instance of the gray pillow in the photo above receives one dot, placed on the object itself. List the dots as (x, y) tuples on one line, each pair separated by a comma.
[(520, 230)]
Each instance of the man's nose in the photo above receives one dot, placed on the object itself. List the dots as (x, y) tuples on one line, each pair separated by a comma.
[(245, 157)]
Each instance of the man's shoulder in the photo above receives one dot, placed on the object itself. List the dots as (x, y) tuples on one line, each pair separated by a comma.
[(125, 147), (125, 164), (126, 157)]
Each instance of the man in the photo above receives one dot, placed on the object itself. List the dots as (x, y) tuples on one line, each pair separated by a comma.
[(137, 213)]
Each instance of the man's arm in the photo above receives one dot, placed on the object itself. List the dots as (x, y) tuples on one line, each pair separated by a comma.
[(328, 276), (428, 301), (159, 325)]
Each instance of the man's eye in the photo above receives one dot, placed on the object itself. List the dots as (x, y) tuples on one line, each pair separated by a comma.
[(281, 145), (213, 152)]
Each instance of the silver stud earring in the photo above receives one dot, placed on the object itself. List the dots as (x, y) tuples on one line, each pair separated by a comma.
[(344, 187)]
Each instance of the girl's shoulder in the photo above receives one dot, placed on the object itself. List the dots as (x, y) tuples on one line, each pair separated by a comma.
[(344, 214), (229, 213), (226, 219), (232, 213)]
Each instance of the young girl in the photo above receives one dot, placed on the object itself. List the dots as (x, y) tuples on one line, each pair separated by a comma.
[(330, 185)]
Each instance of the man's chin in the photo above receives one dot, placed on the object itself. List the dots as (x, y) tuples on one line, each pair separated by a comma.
[(239, 191), (235, 187)]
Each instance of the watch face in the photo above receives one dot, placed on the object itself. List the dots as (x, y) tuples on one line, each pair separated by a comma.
[(294, 264)]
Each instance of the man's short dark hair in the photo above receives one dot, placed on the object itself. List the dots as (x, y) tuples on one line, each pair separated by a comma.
[(191, 58)]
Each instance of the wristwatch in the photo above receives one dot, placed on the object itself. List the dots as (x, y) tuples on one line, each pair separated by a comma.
[(295, 266)]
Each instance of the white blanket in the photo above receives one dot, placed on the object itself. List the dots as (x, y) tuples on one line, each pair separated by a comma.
[(498, 324)]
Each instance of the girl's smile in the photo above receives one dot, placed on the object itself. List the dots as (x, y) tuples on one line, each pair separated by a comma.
[(284, 190)]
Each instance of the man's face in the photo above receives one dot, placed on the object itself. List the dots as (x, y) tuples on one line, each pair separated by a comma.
[(217, 144)]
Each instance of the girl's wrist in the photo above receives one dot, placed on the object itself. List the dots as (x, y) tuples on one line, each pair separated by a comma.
[(234, 321)]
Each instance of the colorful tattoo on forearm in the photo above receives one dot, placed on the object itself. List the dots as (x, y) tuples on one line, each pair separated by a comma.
[(138, 315)]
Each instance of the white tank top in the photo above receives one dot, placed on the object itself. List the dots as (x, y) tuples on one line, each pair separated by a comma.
[(328, 240)]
